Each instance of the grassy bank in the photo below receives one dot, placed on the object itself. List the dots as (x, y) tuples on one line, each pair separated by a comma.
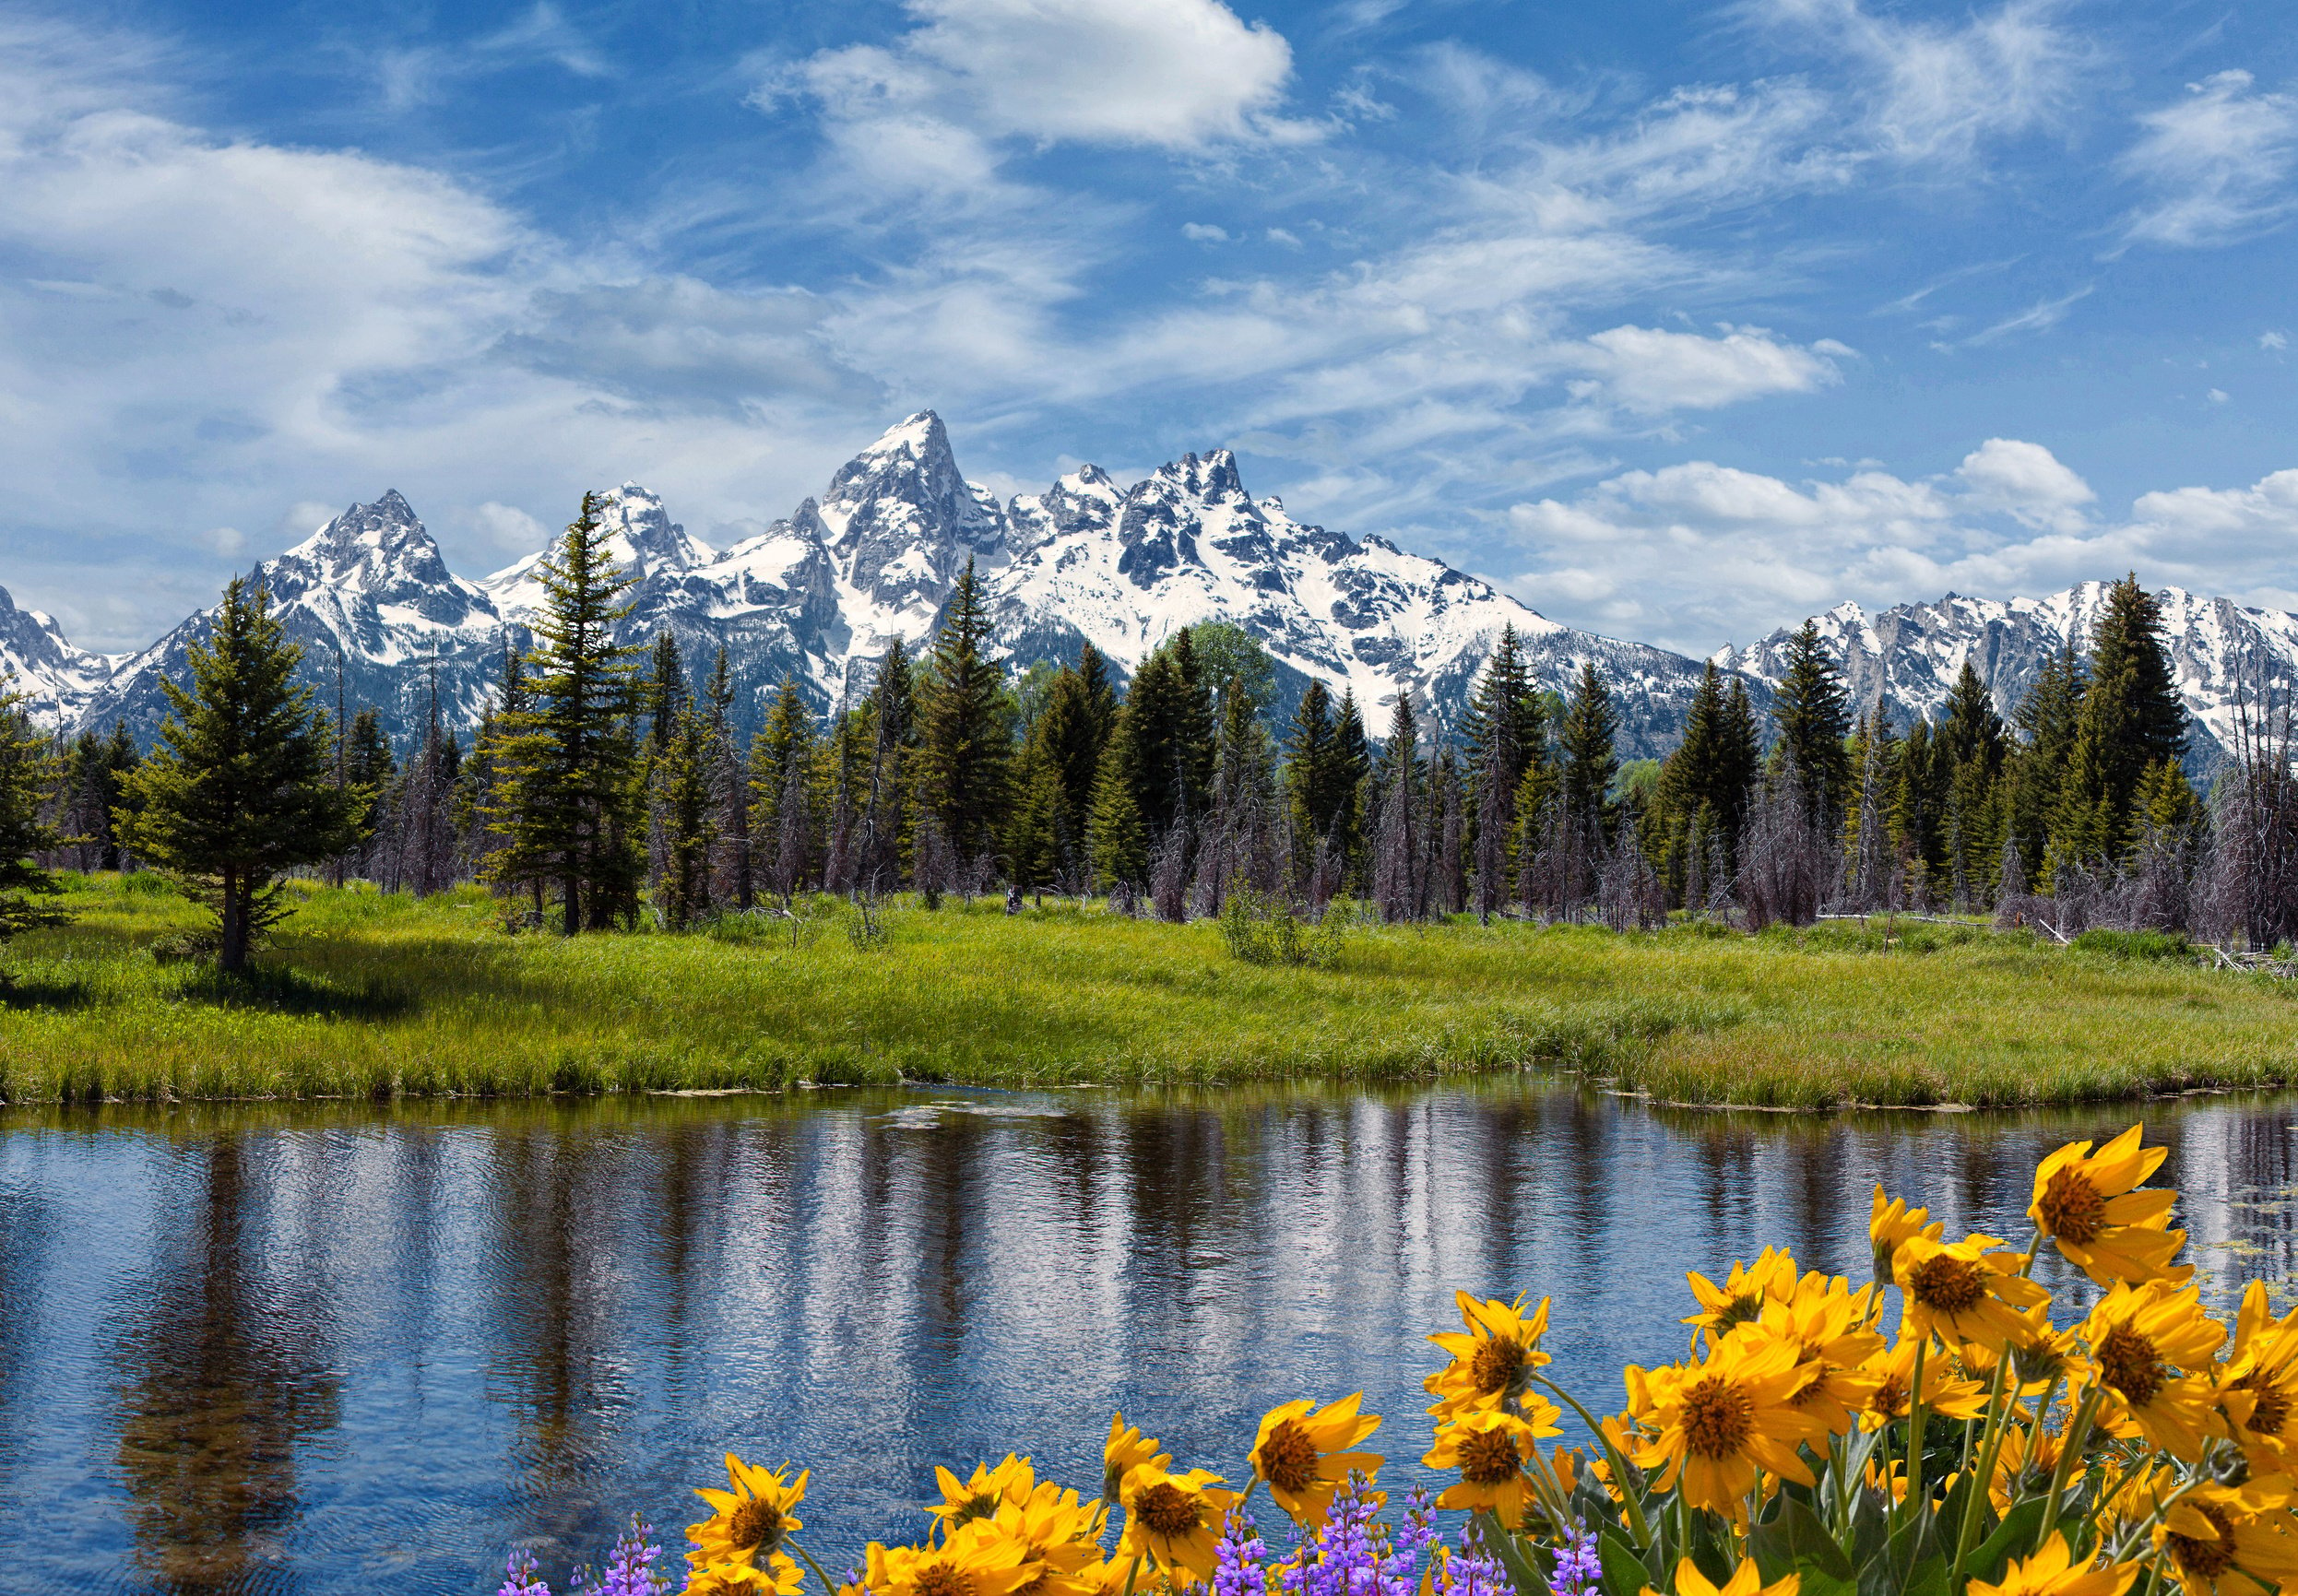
[(364, 995)]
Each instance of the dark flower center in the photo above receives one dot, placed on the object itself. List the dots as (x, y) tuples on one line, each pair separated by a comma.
[(1890, 1397), (1488, 1456), (982, 1506), (1948, 1285), (2271, 1411), (1288, 1460), (1168, 1510), (2129, 1363), (1718, 1417), (944, 1579), (756, 1526), (2202, 1560), (2072, 1208), (1496, 1364)]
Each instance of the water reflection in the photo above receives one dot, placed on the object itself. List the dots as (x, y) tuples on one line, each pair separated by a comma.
[(319, 1348)]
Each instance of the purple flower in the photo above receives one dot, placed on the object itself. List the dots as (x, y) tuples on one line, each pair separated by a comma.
[(1579, 1570), (631, 1567), (519, 1578)]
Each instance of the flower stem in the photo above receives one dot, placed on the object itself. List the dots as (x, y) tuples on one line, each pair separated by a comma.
[(829, 1586)]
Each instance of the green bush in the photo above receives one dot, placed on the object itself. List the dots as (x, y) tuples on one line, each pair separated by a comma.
[(2135, 944)]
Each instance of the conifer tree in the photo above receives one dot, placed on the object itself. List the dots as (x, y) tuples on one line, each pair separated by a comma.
[(28, 776), (1397, 861), (2132, 720), (1692, 779), (1352, 776), (1813, 721), (1172, 729), (964, 748), (240, 789), (1117, 838), (893, 702), (1589, 760), (1037, 840), (1070, 734), (1310, 752), (664, 694), (567, 760), (781, 767), (729, 792), (2048, 718)]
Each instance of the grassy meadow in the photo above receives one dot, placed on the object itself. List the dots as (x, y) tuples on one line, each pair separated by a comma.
[(363, 994)]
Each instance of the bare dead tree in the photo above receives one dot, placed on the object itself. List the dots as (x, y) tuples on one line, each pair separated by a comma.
[(2248, 892), (1787, 861), (1629, 896), (1168, 875)]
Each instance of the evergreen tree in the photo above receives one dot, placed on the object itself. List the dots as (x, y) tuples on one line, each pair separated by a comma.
[(1588, 758), (1813, 721), (686, 789), (2132, 720), (1117, 838), (1172, 727), (1352, 776), (782, 803), (28, 778), (1037, 834), (1505, 709), (1397, 861), (1070, 733), (120, 759), (731, 877), (894, 713), (1311, 760), (240, 789), (567, 760), (1691, 780), (964, 746), (1100, 693), (664, 694), (2036, 772)]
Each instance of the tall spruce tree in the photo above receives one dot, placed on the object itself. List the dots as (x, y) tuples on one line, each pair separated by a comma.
[(1811, 713), (1310, 752), (2132, 720), (28, 778), (1590, 762), (241, 788), (1352, 777), (1072, 730), (569, 799), (2048, 719), (964, 747), (1117, 838), (782, 759)]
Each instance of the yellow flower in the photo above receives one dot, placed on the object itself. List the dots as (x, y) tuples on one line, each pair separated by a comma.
[(962, 1501), (1492, 1359), (1890, 1226), (1126, 1449), (2232, 1538), (1740, 1299), (780, 1576), (2258, 1392), (2084, 1201), (1062, 1537), (2023, 1465), (1490, 1449), (978, 1558), (756, 1516), (2050, 1572), (1302, 1452), (1717, 1422), (1744, 1581), (1944, 1391), (1964, 1291), (1176, 1518), (1829, 1325), (2140, 1337)]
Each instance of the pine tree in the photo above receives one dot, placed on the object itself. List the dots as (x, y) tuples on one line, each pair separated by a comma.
[(27, 779), (1171, 716), (241, 788), (1691, 780), (885, 838), (1070, 734), (663, 695), (1351, 778), (2132, 720), (782, 803), (1310, 752), (732, 877), (1813, 721), (1589, 760), (120, 759), (2036, 772), (567, 760), (1117, 839), (1397, 856), (1036, 837), (964, 747)]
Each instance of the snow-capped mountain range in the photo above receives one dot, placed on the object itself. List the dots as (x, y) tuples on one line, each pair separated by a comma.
[(1906, 658), (818, 596)]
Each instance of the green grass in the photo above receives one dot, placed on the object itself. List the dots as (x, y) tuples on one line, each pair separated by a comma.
[(366, 995)]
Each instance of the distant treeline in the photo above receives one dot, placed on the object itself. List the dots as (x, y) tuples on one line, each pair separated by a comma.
[(605, 784)]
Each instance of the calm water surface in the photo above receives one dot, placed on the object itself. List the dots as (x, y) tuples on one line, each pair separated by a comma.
[(342, 1349)]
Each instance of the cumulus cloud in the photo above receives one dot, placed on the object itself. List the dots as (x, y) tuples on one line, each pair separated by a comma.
[(2218, 163), (1655, 370), (1697, 553)]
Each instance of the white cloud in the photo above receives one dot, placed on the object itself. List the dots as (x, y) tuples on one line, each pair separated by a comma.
[(2273, 343), (1204, 232), (1654, 371), (1697, 553), (2028, 481), (2219, 396), (2039, 317), (2219, 163), (1937, 91)]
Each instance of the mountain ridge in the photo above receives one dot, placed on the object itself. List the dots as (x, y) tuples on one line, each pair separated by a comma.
[(820, 594)]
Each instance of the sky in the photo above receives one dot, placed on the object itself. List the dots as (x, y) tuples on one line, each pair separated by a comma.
[(1681, 322)]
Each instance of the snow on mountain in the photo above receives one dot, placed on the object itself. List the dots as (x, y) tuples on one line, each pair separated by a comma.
[(369, 590), (1907, 658), (641, 538), (55, 678)]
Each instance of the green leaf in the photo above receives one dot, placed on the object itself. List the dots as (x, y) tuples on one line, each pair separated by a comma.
[(1515, 1555), (1794, 1537), (2014, 1537), (1624, 1572)]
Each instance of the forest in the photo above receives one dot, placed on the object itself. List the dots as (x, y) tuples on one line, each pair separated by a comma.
[(607, 786)]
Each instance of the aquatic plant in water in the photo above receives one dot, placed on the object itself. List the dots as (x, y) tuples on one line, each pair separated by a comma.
[(1809, 1443)]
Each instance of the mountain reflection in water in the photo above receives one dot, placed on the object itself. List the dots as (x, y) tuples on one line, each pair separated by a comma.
[(331, 1348)]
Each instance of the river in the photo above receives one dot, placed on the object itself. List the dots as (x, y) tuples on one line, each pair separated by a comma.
[(335, 1348)]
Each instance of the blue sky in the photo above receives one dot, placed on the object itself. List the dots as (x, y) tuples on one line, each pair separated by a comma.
[(1679, 321)]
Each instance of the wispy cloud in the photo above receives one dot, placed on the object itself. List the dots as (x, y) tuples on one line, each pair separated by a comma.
[(2217, 164)]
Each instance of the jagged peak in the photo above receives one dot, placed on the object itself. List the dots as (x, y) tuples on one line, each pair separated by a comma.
[(1212, 476)]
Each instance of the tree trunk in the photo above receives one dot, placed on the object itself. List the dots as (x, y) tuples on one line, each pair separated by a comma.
[(232, 956)]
